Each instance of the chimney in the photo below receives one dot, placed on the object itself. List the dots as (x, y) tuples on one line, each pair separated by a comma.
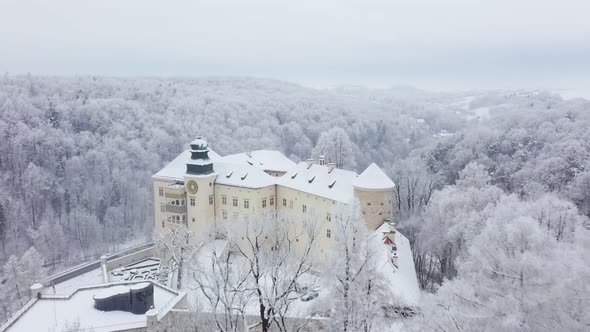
[(391, 232), (309, 163), (331, 167), (103, 268), (322, 160)]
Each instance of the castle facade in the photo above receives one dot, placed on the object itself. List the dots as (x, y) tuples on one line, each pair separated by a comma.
[(200, 187)]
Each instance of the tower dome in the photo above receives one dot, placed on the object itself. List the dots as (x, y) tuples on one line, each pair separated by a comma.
[(373, 178), (199, 144), (199, 164)]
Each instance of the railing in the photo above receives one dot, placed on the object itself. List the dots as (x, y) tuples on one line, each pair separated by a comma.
[(179, 209), (89, 266), (175, 196)]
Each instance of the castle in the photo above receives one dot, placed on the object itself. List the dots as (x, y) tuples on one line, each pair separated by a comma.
[(199, 187)]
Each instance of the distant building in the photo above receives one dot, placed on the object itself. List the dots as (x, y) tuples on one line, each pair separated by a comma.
[(200, 187)]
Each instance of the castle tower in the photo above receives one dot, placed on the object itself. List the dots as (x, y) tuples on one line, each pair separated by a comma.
[(374, 190), (199, 183)]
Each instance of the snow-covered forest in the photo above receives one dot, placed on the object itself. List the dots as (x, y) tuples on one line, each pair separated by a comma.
[(493, 188)]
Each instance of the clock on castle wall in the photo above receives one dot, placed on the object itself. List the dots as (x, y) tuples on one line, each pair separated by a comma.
[(192, 187)]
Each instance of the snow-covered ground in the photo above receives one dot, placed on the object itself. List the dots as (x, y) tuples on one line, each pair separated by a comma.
[(143, 270), (92, 277), (59, 314)]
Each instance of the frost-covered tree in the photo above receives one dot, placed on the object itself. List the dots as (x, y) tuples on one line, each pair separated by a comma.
[(446, 226), (579, 192), (335, 145), (175, 247), (19, 275), (512, 278), (3, 225), (358, 294), (414, 186)]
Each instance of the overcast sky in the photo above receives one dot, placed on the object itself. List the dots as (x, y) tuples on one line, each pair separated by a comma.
[(433, 44)]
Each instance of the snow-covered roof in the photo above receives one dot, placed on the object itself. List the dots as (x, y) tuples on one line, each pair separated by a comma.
[(57, 313), (373, 178), (267, 160), (231, 174), (318, 180), (401, 279), (241, 176), (176, 169)]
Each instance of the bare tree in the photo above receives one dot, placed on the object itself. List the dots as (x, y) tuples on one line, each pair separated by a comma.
[(278, 253), (175, 247), (224, 284)]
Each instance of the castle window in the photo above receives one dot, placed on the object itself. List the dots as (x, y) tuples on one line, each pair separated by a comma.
[(194, 220), (183, 218), (246, 204), (264, 202), (329, 217), (162, 207), (224, 214), (272, 201), (210, 184), (224, 200), (177, 219), (182, 202), (234, 201), (328, 233), (304, 208), (161, 191), (177, 202), (210, 199), (193, 201), (162, 224), (284, 202), (368, 203)]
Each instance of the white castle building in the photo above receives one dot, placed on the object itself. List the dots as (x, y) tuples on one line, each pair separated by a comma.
[(200, 187)]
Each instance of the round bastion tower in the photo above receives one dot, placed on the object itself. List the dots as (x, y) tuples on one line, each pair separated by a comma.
[(199, 183), (374, 190)]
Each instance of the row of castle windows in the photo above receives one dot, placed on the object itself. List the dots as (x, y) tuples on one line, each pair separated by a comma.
[(246, 202)]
